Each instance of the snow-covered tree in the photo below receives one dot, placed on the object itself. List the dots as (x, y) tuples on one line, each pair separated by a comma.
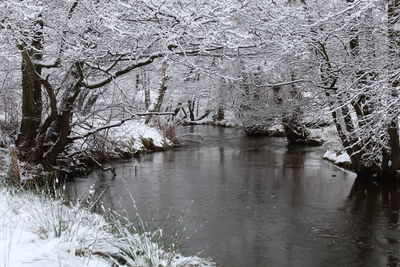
[(72, 50)]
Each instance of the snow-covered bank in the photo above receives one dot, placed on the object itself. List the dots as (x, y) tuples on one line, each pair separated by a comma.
[(229, 120), (334, 151), (339, 158), (127, 140), (93, 147), (36, 230)]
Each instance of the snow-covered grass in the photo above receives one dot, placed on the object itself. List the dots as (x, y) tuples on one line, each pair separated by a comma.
[(143, 250), (37, 230)]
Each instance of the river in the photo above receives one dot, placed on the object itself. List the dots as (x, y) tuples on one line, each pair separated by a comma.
[(255, 201)]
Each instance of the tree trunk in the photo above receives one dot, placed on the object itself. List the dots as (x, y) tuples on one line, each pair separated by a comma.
[(59, 130), (220, 114), (191, 109), (161, 90), (31, 90), (146, 88), (31, 107)]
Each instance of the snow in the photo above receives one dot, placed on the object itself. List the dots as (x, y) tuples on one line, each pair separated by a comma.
[(126, 138), (337, 157), (27, 237), (36, 230), (135, 130), (334, 150), (327, 134)]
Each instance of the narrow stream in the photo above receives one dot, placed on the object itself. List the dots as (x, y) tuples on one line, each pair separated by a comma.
[(250, 202)]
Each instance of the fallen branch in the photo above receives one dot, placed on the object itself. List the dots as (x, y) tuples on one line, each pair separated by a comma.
[(110, 168)]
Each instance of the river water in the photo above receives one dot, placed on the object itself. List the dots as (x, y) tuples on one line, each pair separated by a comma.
[(250, 202)]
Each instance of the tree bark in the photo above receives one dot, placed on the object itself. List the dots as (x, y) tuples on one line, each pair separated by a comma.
[(31, 89), (191, 109), (220, 114), (161, 90)]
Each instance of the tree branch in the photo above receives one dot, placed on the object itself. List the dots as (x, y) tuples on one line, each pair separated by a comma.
[(133, 116)]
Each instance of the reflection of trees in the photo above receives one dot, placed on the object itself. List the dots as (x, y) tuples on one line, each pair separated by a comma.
[(372, 203), (371, 196), (102, 192), (95, 191), (293, 168)]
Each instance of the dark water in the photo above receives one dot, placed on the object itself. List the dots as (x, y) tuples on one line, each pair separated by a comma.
[(258, 202)]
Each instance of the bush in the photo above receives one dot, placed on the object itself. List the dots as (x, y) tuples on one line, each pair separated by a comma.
[(168, 130)]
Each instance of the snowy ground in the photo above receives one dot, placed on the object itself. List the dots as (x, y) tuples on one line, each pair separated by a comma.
[(334, 151), (337, 157), (35, 231), (38, 231), (125, 138)]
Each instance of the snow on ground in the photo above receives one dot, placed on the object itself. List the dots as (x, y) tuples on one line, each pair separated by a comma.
[(328, 135), (135, 131), (127, 138), (334, 151), (36, 231), (337, 157)]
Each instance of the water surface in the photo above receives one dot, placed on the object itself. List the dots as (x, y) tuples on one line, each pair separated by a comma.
[(257, 202)]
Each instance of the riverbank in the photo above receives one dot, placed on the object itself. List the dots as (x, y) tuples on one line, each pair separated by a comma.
[(334, 151), (326, 136), (39, 230), (339, 158), (42, 230), (128, 140)]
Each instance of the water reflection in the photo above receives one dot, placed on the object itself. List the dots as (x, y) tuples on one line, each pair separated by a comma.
[(372, 197), (259, 202), (375, 216)]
